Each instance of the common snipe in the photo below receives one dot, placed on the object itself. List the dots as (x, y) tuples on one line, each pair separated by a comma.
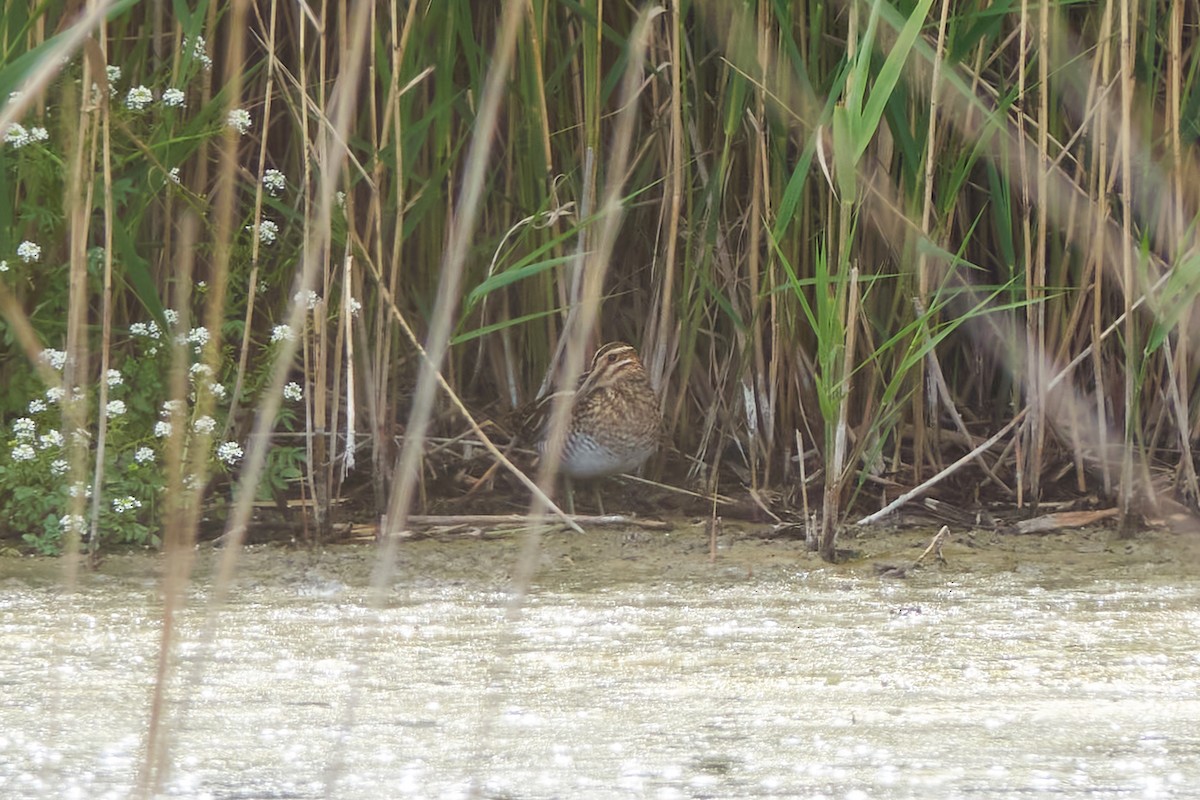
[(614, 421)]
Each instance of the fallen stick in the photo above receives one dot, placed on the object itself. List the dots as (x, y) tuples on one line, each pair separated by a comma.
[(599, 520), (935, 546), (1064, 519), (909, 495)]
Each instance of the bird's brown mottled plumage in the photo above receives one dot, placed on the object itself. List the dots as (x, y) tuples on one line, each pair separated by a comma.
[(614, 421)]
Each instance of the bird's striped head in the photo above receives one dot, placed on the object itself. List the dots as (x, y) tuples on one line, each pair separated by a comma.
[(612, 363)]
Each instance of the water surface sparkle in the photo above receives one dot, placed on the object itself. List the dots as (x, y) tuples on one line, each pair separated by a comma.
[(794, 684)]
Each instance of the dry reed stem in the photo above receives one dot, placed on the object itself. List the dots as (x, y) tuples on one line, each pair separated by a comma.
[(437, 341), (329, 156), (1125, 142)]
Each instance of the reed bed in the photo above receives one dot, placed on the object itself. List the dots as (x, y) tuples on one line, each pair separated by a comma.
[(860, 246)]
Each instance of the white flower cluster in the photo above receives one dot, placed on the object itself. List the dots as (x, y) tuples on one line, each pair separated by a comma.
[(282, 333), (18, 135), (174, 98), (23, 452), (200, 52), (268, 231), (148, 329), (196, 337), (50, 439), (138, 98), (29, 251), (239, 120), (127, 503), (73, 523), (293, 391), (230, 452), (274, 182), (57, 359), (308, 298), (24, 429)]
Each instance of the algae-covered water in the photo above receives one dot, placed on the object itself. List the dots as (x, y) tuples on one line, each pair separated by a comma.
[(638, 667)]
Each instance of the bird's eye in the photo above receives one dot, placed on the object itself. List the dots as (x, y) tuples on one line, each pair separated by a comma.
[(612, 358)]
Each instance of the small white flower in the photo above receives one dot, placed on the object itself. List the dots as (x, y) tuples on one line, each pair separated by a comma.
[(282, 332), (29, 251), (143, 455), (204, 425), (3, 266), (171, 407), (57, 359), (340, 199), (200, 53), (198, 337), (58, 467), (355, 307), (37, 405), (113, 73), (202, 285), (55, 394), (229, 452), (308, 298), (218, 390), (268, 231), (23, 452), (73, 523), (115, 408), (239, 120), (16, 135), (200, 370), (138, 98), (274, 182), (50, 439), (78, 489), (173, 174), (114, 377), (174, 98), (24, 429), (127, 503), (162, 429), (263, 287), (171, 316), (292, 391)]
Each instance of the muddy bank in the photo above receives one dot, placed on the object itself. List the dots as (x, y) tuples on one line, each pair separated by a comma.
[(608, 557)]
